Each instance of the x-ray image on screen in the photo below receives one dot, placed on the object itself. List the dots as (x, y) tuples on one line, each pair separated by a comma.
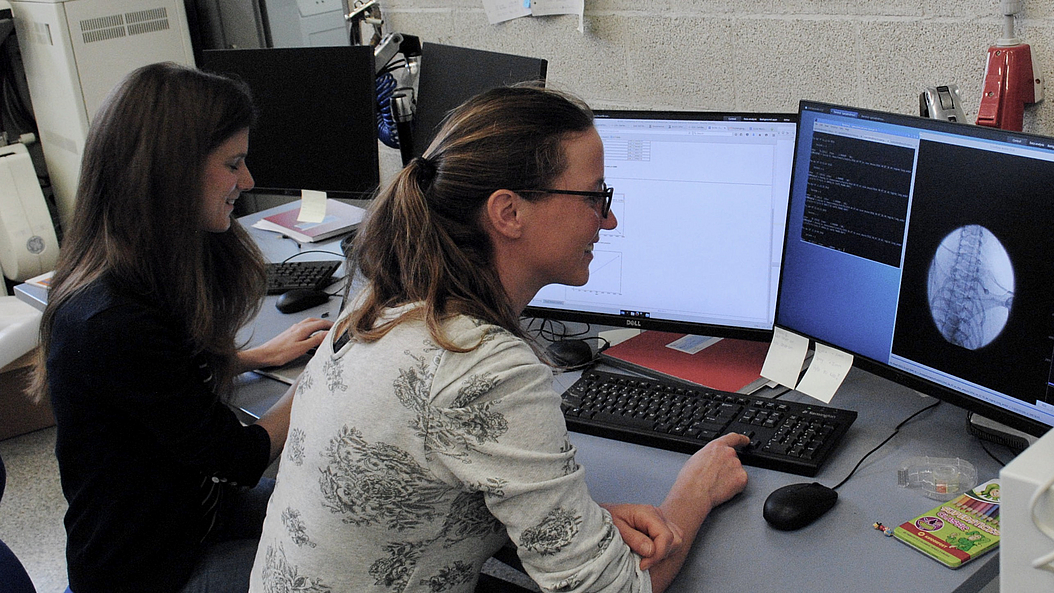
[(970, 287), (971, 258)]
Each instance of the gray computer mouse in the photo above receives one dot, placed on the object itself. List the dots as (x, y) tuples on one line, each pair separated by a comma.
[(796, 505), (298, 299)]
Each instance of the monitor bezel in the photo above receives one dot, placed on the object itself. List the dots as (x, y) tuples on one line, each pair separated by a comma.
[(669, 325), (886, 370)]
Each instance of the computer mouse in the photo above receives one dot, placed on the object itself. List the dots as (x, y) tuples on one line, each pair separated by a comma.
[(298, 299), (570, 353), (797, 505)]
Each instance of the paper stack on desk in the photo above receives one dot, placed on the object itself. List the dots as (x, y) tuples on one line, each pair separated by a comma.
[(339, 218)]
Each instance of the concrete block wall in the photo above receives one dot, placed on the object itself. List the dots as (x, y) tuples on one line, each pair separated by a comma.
[(751, 55)]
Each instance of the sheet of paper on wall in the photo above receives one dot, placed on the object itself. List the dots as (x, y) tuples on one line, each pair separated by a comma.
[(499, 11), (553, 7), (785, 357), (312, 206), (826, 373)]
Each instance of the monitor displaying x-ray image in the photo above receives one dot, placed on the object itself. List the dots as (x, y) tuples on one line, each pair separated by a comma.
[(923, 248)]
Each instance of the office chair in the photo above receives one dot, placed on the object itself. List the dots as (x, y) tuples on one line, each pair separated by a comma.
[(13, 576)]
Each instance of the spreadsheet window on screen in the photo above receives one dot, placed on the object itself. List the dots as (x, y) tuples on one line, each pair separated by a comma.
[(701, 203)]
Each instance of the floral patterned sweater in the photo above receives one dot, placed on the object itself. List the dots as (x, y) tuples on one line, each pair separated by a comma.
[(407, 466)]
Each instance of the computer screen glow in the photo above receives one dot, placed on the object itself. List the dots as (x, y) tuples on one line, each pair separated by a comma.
[(701, 202), (924, 248)]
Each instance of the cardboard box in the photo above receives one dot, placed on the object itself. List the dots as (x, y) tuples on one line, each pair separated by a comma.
[(19, 414)]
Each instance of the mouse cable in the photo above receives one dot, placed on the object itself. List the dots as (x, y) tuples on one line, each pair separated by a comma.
[(984, 445), (554, 330), (299, 253), (896, 431)]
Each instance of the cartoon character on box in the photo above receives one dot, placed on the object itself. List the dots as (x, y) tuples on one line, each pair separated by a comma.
[(967, 541)]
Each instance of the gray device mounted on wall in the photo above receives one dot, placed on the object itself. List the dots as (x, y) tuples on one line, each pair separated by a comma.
[(942, 102)]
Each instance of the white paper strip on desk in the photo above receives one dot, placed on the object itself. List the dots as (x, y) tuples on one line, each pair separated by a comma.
[(826, 373), (312, 206), (785, 357)]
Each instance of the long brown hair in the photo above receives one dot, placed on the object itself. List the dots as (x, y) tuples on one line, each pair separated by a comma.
[(138, 210), (424, 242)]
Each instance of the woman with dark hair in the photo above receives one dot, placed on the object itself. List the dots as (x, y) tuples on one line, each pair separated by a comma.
[(452, 441), (138, 346)]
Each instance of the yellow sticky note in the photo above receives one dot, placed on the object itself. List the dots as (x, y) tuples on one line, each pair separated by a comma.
[(785, 357), (826, 373), (312, 206)]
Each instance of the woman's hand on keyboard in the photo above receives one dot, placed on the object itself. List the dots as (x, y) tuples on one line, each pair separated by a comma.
[(714, 474), (710, 477)]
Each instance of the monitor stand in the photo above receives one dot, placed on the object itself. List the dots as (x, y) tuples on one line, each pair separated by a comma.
[(994, 432)]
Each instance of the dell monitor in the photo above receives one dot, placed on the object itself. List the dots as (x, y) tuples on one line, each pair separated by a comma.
[(701, 202), (317, 127), (924, 248)]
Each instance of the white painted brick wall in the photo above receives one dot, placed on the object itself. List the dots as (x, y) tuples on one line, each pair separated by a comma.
[(751, 55)]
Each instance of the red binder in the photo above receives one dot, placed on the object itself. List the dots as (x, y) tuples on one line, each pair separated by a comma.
[(728, 365)]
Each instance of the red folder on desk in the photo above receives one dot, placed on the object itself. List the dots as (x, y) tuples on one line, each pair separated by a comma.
[(728, 365)]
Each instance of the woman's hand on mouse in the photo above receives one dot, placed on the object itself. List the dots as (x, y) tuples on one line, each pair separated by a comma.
[(296, 341), (646, 531)]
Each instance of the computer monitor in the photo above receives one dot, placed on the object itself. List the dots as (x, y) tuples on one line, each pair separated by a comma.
[(451, 75), (701, 202), (924, 248), (317, 128)]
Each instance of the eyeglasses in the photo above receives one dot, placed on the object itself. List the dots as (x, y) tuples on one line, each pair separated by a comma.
[(601, 198)]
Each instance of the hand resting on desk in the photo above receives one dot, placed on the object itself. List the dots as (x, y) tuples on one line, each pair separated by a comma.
[(294, 342), (646, 531)]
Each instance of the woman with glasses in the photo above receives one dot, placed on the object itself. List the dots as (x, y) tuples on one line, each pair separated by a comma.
[(451, 441)]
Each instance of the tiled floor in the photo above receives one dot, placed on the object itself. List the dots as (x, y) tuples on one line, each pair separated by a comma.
[(32, 508)]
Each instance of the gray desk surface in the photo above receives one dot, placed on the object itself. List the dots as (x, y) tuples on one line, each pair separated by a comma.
[(736, 550)]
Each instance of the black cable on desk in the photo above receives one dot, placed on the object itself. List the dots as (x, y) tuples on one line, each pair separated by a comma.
[(896, 431), (299, 253)]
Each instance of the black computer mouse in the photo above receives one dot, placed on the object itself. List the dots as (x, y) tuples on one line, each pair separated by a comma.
[(570, 353), (797, 505), (298, 299)]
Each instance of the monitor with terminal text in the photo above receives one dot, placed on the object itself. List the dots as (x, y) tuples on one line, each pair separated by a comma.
[(317, 126), (923, 248), (701, 204)]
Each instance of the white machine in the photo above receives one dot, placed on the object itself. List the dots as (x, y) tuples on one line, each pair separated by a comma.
[(1026, 517), (74, 52), (28, 246)]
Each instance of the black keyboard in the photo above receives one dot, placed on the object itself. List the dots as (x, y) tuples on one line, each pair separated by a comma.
[(285, 276), (785, 436)]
